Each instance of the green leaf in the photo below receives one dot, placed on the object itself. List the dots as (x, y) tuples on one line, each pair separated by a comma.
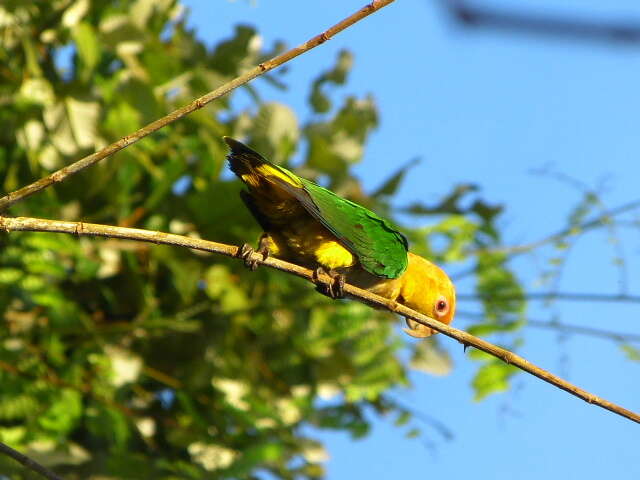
[(88, 47), (235, 54), (337, 75), (63, 414), (275, 131), (402, 419), (258, 455), (632, 353), (485, 329), (391, 185), (413, 433), (491, 378), (110, 424)]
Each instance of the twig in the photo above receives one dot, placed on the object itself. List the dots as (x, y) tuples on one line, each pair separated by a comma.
[(571, 230), (579, 329), (60, 175), (9, 224), (28, 462), (516, 250), (511, 20), (565, 327), (570, 296)]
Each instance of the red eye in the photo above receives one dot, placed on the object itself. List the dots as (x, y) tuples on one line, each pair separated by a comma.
[(442, 307)]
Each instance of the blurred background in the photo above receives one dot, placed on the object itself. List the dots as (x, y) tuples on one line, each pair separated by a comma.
[(501, 136)]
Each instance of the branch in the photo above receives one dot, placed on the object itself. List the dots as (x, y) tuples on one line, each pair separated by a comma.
[(28, 462), (516, 250), (9, 224), (579, 329), (566, 327), (565, 232), (60, 175), (511, 20), (570, 296)]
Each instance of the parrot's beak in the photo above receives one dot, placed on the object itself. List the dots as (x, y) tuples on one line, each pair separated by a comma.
[(417, 330)]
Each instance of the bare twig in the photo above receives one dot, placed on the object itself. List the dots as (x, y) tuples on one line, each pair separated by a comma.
[(571, 230), (565, 327), (516, 250), (570, 296), (581, 330), (60, 175), (89, 229), (516, 21), (28, 462)]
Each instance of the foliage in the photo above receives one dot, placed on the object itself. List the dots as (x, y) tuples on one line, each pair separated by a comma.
[(139, 361)]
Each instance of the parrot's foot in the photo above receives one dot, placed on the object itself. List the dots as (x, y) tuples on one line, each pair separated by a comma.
[(247, 253), (333, 289), (417, 330)]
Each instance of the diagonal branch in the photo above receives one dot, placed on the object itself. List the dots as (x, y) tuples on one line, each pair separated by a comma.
[(569, 328), (566, 232), (514, 251), (9, 224), (569, 296), (60, 175), (28, 462)]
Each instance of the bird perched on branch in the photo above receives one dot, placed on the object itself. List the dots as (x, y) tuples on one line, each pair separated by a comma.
[(312, 226)]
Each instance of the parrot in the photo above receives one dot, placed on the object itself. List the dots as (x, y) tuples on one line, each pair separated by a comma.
[(310, 225)]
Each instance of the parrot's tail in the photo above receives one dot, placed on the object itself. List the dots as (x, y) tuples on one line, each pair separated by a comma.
[(242, 160), (253, 169)]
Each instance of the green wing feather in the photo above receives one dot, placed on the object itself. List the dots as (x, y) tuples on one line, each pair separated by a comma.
[(380, 248)]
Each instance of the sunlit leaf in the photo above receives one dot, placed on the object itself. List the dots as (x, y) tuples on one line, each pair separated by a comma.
[(492, 377)]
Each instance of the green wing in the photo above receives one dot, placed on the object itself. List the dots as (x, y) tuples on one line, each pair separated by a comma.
[(380, 248)]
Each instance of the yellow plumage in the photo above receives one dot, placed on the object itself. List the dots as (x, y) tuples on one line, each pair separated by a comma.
[(421, 287), (298, 236)]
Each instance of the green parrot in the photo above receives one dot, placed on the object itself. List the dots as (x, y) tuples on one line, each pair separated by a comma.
[(310, 225)]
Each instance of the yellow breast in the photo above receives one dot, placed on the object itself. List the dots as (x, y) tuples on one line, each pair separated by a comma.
[(310, 242)]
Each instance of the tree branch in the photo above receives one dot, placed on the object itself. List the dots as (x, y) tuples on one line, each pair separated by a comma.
[(570, 296), (59, 175), (579, 329), (511, 20), (566, 327), (9, 224), (565, 232), (28, 462), (514, 251)]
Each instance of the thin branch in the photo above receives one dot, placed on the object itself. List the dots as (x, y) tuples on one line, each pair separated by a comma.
[(571, 230), (511, 20), (579, 329), (60, 175), (28, 462), (516, 250), (566, 327), (427, 419), (9, 224), (569, 296)]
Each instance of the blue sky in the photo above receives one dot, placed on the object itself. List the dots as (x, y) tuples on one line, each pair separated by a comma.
[(489, 108)]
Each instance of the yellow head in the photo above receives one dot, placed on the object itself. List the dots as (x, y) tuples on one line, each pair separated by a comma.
[(427, 289)]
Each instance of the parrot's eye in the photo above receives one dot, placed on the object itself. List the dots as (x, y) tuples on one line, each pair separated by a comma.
[(442, 306)]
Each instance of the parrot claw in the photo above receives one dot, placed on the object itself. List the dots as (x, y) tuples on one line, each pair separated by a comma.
[(333, 289), (247, 253), (417, 330)]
